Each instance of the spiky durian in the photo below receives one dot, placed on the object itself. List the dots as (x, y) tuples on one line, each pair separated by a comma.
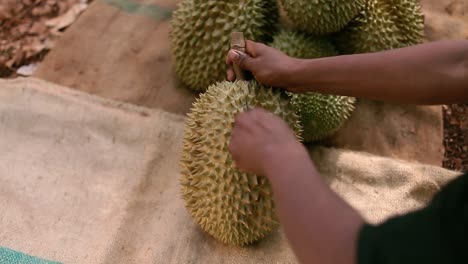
[(302, 45), (409, 20), (200, 35), (383, 25), (234, 207), (374, 30), (321, 16), (321, 115)]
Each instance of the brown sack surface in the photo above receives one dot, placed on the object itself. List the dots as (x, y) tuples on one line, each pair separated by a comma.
[(413, 133)]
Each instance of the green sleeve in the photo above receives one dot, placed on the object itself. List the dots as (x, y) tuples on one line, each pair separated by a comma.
[(435, 234)]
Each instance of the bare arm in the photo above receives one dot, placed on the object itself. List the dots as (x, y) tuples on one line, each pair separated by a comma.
[(434, 73), (321, 227), (317, 222)]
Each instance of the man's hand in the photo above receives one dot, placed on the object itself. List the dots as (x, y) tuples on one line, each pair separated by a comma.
[(260, 139), (268, 65)]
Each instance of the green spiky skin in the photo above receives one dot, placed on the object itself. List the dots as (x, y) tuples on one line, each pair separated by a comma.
[(234, 207), (321, 17), (409, 20), (201, 32), (383, 25), (374, 30), (321, 115), (302, 45)]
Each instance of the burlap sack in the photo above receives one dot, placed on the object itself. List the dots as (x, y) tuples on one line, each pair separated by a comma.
[(88, 180)]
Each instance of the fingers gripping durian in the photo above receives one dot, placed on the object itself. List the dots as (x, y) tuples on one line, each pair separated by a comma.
[(234, 207), (200, 35), (321, 16), (321, 115)]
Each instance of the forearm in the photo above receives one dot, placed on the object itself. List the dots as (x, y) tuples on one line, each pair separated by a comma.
[(435, 73), (320, 226)]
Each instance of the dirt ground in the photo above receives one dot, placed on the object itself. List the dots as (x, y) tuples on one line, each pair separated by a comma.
[(456, 137), (29, 29)]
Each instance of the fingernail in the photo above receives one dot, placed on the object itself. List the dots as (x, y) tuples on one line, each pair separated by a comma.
[(234, 55)]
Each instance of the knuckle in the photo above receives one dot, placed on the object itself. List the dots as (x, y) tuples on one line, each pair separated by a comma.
[(251, 46), (242, 60), (262, 46)]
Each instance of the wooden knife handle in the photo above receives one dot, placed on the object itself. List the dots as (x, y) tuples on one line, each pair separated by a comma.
[(238, 43)]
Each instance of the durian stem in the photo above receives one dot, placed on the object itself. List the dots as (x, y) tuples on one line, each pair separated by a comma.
[(238, 43)]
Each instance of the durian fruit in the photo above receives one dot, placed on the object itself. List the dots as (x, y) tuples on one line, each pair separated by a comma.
[(234, 207), (200, 35), (409, 20), (321, 115), (321, 17), (302, 45), (374, 30), (383, 25)]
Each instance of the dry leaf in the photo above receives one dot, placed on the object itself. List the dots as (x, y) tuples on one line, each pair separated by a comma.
[(15, 60), (23, 28), (66, 19), (38, 28), (41, 10), (23, 31)]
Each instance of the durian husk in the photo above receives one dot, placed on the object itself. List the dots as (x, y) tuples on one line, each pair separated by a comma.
[(234, 207), (200, 35), (409, 20), (383, 25), (321, 17), (300, 44), (321, 115)]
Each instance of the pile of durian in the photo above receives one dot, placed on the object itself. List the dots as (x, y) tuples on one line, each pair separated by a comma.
[(232, 206)]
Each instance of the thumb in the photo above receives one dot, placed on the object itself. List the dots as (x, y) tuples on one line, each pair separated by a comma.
[(242, 59)]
